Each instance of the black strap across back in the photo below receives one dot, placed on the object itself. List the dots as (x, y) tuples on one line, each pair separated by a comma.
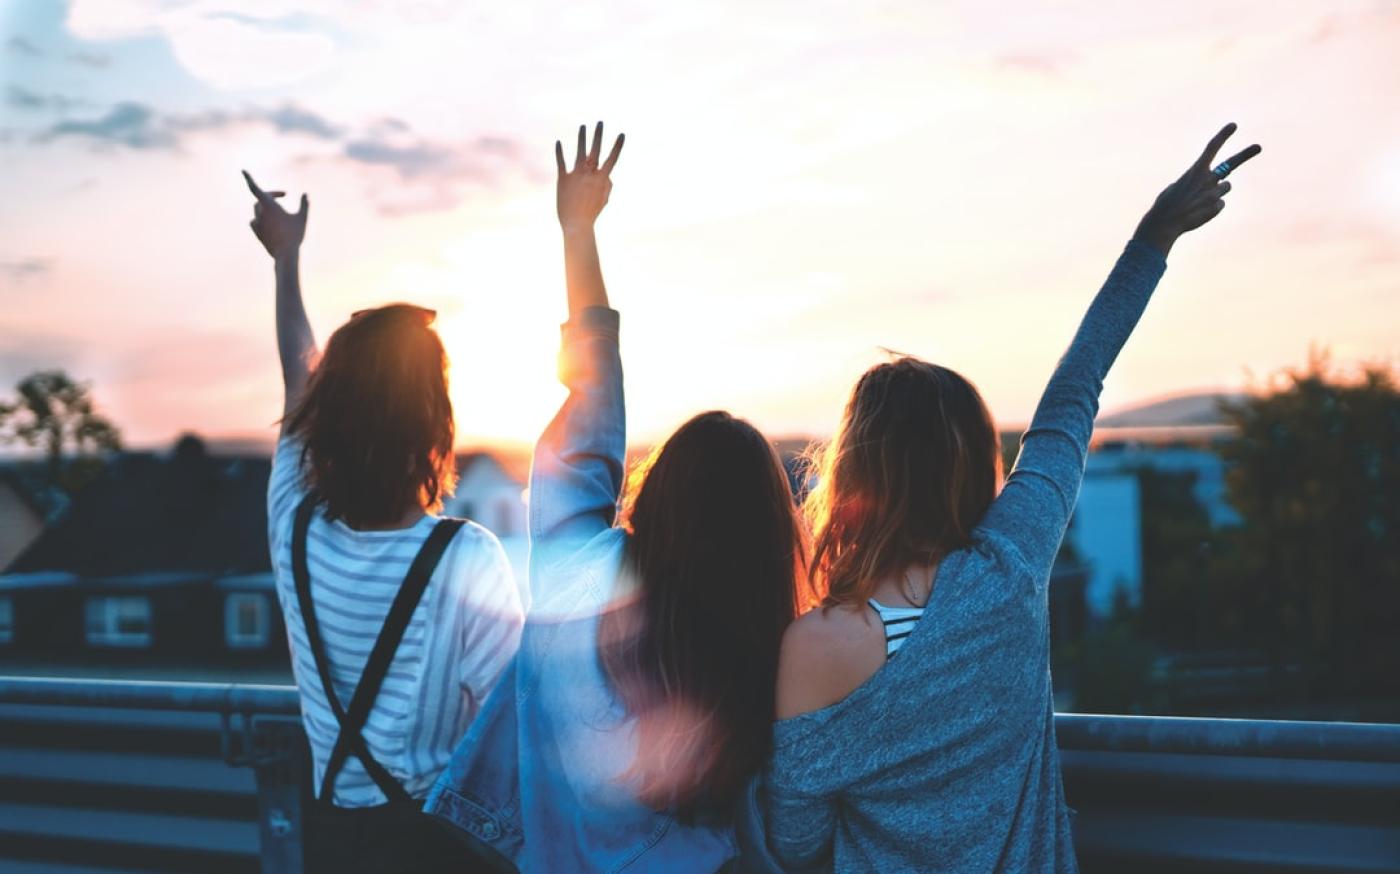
[(352, 719)]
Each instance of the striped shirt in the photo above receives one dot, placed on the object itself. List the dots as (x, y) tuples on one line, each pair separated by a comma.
[(463, 633), (899, 622)]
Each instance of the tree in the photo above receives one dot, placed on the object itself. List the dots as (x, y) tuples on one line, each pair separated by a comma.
[(1178, 548), (1315, 474), (55, 413), (1113, 665)]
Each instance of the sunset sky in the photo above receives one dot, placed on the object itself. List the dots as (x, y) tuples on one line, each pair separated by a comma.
[(803, 184)]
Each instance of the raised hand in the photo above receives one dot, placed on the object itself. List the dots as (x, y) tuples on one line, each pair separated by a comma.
[(1195, 198), (279, 231), (583, 192)]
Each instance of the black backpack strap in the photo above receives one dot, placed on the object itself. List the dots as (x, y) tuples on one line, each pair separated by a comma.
[(352, 721)]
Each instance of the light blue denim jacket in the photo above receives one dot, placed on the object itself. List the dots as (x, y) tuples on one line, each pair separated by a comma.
[(537, 775)]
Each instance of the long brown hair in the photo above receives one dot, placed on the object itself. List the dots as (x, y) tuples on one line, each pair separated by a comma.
[(910, 472), (376, 421), (717, 552)]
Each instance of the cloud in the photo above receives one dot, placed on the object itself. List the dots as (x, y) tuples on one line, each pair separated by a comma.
[(259, 46), (388, 126), (138, 126), (21, 46), (95, 60), (410, 161), (25, 269), (22, 98), (438, 173), (133, 125), (292, 119)]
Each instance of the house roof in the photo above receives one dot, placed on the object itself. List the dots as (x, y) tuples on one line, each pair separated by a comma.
[(25, 479), (185, 511), (37, 580)]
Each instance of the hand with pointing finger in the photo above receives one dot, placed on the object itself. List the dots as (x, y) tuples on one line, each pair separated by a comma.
[(583, 192), (279, 231), (1195, 198)]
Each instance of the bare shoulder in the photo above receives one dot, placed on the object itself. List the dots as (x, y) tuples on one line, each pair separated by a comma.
[(827, 654)]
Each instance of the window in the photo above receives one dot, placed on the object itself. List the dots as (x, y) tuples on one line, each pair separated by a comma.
[(120, 621), (246, 624), (7, 619)]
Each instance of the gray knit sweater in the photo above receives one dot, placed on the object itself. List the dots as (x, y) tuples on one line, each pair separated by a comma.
[(945, 759)]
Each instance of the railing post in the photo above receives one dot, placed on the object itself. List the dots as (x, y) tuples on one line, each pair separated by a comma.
[(276, 748)]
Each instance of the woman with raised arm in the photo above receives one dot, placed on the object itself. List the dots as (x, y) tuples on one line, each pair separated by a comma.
[(642, 698), (400, 621), (916, 729)]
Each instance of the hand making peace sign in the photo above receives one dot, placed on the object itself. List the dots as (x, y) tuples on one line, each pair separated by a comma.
[(1195, 198)]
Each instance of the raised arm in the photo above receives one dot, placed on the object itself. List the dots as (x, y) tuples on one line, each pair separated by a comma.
[(579, 197), (1034, 508), (577, 472), (281, 233)]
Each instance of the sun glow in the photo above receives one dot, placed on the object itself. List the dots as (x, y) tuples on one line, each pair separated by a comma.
[(500, 327)]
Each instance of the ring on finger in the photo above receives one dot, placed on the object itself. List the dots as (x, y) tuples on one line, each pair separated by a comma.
[(1222, 170)]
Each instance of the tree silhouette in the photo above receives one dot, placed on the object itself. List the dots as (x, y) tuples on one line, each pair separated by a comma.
[(1315, 474), (54, 413)]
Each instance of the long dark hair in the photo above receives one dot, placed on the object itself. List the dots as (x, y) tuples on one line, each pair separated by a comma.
[(717, 553), (913, 467), (376, 421)]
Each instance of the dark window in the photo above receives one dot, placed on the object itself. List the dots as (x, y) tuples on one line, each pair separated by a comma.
[(119, 621), (246, 620)]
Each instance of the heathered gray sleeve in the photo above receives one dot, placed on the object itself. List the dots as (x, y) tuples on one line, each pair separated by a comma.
[(800, 830), (1034, 507)]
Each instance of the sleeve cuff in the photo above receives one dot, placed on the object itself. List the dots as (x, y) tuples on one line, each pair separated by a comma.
[(1146, 252), (593, 321)]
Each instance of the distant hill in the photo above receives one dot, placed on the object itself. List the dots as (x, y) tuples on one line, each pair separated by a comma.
[(1191, 409)]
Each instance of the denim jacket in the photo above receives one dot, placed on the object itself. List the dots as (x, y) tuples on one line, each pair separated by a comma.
[(537, 776)]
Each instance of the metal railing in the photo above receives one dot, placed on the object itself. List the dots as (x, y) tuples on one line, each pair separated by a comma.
[(133, 782), (127, 776)]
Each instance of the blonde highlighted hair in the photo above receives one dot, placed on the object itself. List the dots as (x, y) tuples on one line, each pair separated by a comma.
[(914, 465)]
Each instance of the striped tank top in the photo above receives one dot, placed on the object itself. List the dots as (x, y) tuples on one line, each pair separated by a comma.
[(899, 623)]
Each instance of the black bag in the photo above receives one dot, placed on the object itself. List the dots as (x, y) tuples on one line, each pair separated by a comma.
[(396, 837)]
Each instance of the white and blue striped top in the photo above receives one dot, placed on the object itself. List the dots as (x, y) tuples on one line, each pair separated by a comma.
[(899, 623), (461, 637)]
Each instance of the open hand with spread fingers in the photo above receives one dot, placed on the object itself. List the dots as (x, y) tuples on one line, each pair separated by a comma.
[(1195, 198), (279, 231), (583, 192)]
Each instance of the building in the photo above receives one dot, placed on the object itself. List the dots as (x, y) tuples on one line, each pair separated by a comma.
[(1106, 531), (162, 560), (490, 494), (1106, 534), (492, 491)]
